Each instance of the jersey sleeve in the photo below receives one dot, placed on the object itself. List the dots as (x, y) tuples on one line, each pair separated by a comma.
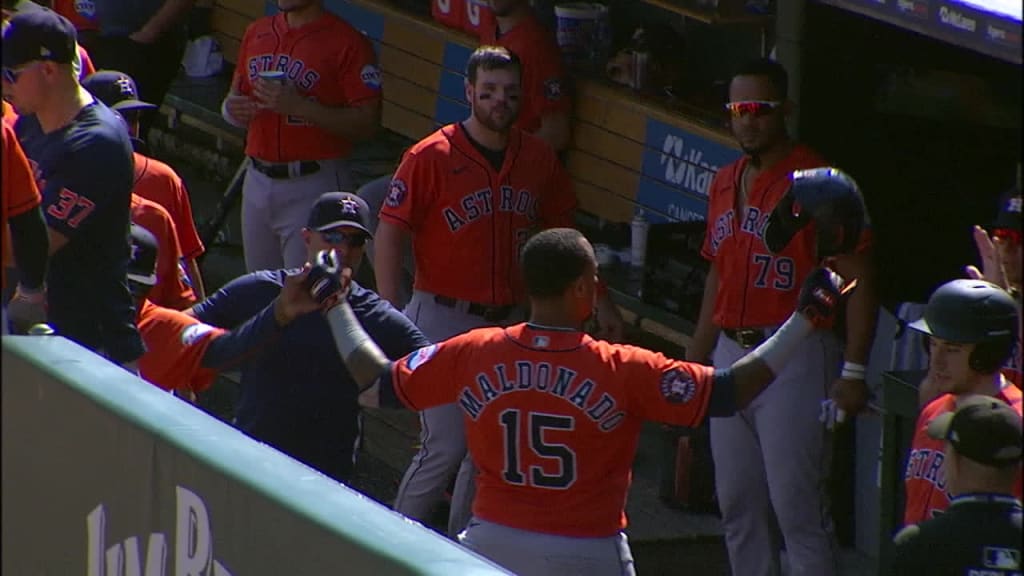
[(72, 196), (411, 191), (427, 377), (558, 205), (360, 77), (175, 345), (393, 331), (191, 246), (241, 73), (550, 85), (20, 193), (667, 390), (88, 68), (171, 289)]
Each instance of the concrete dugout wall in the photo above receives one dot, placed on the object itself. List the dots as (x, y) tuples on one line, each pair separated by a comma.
[(106, 475)]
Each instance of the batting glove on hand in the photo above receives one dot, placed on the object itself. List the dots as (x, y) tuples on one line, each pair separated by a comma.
[(26, 309), (821, 294), (831, 414)]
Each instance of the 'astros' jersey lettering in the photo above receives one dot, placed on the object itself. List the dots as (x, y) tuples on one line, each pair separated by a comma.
[(543, 78), (552, 419), (327, 60), (925, 476), (175, 345), (755, 287), (469, 222)]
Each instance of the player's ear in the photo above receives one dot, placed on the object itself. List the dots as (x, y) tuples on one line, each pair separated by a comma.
[(307, 235), (469, 90)]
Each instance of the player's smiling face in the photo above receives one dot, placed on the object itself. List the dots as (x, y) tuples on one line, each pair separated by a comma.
[(948, 365), (495, 97)]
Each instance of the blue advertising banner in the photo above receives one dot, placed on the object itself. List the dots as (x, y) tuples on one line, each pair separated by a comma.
[(677, 170), (991, 27), (451, 103)]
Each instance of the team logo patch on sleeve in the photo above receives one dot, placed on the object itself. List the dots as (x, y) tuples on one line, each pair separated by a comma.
[(421, 357), (553, 89), (195, 333), (370, 75), (677, 386), (396, 193)]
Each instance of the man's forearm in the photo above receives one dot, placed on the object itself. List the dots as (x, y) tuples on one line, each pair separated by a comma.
[(390, 244), (861, 309), (351, 123), (30, 245), (706, 332), (363, 358), (192, 268)]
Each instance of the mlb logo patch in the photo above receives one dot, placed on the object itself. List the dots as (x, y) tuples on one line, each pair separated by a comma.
[(1001, 558), (541, 341), (421, 357), (553, 89), (677, 386)]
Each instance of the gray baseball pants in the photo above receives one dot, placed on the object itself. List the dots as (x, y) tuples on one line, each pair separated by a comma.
[(274, 212), (771, 464), (442, 429), (528, 553)]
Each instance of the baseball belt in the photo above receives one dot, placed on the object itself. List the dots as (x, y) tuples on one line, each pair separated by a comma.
[(284, 170), (489, 313), (746, 337)]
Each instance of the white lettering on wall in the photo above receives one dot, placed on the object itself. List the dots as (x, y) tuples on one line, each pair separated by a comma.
[(193, 555), (957, 19)]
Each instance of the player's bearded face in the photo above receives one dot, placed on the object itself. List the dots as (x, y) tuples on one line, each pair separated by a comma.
[(756, 134), (948, 365), (495, 98)]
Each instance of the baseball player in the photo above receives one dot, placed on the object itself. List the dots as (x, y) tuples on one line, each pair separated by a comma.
[(301, 123), (553, 416), (468, 196), (25, 233), (157, 182), (83, 65), (374, 193), (980, 533), (67, 135), (971, 327), (546, 105), (184, 354), (171, 289), (770, 459)]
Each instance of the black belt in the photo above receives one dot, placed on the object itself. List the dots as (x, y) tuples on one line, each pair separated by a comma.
[(279, 171), (489, 313), (746, 337)]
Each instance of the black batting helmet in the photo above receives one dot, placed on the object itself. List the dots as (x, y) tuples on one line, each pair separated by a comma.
[(973, 312), (829, 198)]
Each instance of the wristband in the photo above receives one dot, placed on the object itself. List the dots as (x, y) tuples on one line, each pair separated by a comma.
[(227, 115), (853, 371)]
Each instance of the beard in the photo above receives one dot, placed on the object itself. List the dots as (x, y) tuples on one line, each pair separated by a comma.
[(491, 122)]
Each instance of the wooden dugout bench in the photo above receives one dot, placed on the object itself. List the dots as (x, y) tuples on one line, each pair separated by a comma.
[(628, 153)]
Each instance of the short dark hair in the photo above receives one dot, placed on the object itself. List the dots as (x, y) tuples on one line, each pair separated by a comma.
[(552, 260), (491, 58), (775, 72)]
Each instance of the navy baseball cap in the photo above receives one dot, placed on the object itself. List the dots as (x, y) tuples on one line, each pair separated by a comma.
[(984, 429), (142, 265), (1009, 215), (334, 209), (38, 35), (115, 89)]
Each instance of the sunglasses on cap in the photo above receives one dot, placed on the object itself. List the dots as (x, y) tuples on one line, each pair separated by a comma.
[(1008, 235), (351, 239), (755, 108)]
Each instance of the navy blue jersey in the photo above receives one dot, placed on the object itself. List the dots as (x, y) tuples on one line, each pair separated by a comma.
[(85, 172), (296, 393)]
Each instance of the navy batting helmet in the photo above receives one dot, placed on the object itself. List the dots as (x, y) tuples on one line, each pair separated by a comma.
[(829, 198), (973, 312), (142, 262)]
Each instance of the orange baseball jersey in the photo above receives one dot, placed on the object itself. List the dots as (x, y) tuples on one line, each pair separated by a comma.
[(20, 193), (327, 60), (81, 13), (175, 345), (543, 77), (469, 223), (10, 116), (476, 16), (158, 182), (755, 287), (925, 476), (172, 288), (87, 65), (552, 419)]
